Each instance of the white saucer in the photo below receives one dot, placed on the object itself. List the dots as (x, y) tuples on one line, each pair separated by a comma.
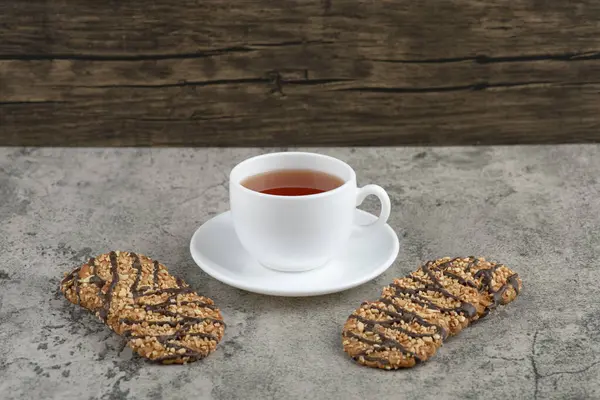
[(217, 250)]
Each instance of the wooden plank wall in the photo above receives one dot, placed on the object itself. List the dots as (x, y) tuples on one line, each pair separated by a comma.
[(305, 72)]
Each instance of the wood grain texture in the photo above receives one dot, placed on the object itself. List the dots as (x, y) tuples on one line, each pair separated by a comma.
[(307, 72)]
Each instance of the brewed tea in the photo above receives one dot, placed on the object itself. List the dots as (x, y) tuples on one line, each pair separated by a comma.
[(292, 182)]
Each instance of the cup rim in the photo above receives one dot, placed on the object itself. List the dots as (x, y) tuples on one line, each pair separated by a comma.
[(240, 165)]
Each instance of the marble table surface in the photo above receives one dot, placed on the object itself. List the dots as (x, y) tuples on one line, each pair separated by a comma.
[(536, 209)]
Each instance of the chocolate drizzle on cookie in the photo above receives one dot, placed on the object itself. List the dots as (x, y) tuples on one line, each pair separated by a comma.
[(76, 287), (198, 303), (513, 280), (177, 290), (487, 277), (173, 324), (172, 300), (409, 316), (72, 281), (443, 269), (386, 343), (104, 311), (417, 296), (397, 318), (137, 265), (95, 279), (171, 340)]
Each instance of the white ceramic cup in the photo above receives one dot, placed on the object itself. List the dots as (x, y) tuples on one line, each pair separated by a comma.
[(298, 233)]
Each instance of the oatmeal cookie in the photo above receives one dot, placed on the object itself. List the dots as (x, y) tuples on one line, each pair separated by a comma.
[(416, 313), (161, 317)]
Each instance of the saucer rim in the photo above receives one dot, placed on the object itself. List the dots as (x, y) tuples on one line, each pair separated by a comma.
[(206, 267)]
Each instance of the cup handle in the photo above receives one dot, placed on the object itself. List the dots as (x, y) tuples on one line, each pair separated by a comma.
[(378, 191)]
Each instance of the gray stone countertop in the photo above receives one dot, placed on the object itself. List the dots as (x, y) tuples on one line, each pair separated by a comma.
[(537, 209)]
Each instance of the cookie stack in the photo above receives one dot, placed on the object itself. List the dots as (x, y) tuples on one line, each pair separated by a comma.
[(158, 314), (416, 313)]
